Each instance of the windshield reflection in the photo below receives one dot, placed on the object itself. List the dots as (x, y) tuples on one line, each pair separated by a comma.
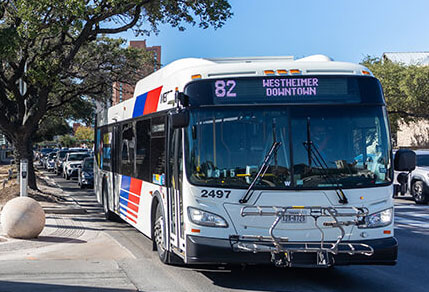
[(226, 147)]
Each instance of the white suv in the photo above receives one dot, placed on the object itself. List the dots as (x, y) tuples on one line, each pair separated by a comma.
[(72, 163), (418, 180)]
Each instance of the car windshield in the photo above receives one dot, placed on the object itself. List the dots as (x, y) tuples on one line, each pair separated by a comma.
[(88, 164), (226, 147), (77, 156), (63, 154), (422, 160)]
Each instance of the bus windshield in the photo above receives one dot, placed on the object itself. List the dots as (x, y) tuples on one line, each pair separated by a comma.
[(226, 146)]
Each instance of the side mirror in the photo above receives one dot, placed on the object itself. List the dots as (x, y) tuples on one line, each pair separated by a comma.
[(179, 119), (405, 160), (402, 179), (182, 98)]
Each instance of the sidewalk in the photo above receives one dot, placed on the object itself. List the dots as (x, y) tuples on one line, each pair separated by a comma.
[(70, 231), (74, 252)]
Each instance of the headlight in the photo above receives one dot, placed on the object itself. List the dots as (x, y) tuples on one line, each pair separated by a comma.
[(379, 219), (205, 218)]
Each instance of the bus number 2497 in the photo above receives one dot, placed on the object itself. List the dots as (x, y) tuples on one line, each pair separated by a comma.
[(215, 194)]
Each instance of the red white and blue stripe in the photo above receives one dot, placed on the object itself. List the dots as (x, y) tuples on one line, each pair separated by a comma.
[(147, 103), (129, 198)]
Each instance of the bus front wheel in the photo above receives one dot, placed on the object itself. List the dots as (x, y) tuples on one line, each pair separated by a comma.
[(159, 234)]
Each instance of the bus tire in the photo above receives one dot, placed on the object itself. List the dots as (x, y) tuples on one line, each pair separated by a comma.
[(419, 191), (159, 235), (109, 215)]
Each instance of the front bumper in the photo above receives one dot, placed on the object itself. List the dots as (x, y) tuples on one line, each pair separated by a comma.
[(205, 250), (88, 181), (72, 172)]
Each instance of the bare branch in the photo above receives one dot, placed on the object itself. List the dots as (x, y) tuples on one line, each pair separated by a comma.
[(133, 22)]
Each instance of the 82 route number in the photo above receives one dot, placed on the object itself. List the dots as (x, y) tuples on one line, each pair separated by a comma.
[(215, 194), (225, 88)]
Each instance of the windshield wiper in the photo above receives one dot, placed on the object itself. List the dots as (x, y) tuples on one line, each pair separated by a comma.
[(315, 156), (261, 171)]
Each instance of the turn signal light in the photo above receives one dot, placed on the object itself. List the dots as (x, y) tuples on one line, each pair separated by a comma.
[(366, 72), (196, 76)]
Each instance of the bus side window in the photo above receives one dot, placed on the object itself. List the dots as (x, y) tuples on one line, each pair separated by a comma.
[(127, 150), (143, 150), (106, 148), (97, 147), (158, 153)]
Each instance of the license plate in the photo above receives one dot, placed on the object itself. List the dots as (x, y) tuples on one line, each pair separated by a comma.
[(294, 219)]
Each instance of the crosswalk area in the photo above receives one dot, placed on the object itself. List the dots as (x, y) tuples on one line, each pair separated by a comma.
[(412, 217)]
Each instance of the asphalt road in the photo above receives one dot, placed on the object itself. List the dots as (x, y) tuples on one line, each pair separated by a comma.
[(142, 271)]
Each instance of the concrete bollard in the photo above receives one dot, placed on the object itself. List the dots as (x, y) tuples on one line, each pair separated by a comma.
[(23, 217)]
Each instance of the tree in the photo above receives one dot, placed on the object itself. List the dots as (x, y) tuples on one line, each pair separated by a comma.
[(49, 128), (406, 89), (56, 123), (59, 49), (85, 134), (67, 141)]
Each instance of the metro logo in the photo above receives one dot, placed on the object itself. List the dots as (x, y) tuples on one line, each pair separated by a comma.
[(147, 103)]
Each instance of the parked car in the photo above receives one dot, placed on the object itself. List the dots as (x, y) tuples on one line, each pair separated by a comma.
[(85, 176), (419, 178), (50, 161), (61, 156), (42, 155), (72, 163)]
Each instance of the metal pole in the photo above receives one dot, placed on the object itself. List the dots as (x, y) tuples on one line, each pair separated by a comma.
[(23, 174)]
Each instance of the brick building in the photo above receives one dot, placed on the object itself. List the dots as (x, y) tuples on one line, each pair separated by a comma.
[(122, 91)]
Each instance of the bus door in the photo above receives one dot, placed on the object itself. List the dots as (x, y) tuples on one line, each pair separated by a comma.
[(175, 202), (115, 159)]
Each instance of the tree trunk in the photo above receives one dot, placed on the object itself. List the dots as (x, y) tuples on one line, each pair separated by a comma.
[(24, 150)]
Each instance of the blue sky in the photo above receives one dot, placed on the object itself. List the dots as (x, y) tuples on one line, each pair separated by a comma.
[(342, 29)]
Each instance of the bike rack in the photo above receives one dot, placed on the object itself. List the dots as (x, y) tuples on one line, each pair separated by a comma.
[(282, 249)]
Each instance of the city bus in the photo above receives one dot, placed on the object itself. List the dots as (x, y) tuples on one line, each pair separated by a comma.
[(251, 161)]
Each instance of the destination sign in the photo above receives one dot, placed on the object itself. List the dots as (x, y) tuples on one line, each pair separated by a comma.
[(288, 89)]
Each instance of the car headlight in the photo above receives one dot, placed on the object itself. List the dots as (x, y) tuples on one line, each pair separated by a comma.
[(205, 218), (379, 219)]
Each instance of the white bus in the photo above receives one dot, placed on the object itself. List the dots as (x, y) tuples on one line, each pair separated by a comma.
[(253, 160)]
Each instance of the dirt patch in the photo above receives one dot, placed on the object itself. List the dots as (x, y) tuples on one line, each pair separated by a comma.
[(45, 193), (7, 179), (8, 193)]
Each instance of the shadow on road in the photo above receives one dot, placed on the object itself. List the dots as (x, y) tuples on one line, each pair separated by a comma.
[(270, 278), (19, 286), (58, 239)]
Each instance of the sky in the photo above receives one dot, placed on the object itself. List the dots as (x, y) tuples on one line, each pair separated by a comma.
[(344, 30)]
